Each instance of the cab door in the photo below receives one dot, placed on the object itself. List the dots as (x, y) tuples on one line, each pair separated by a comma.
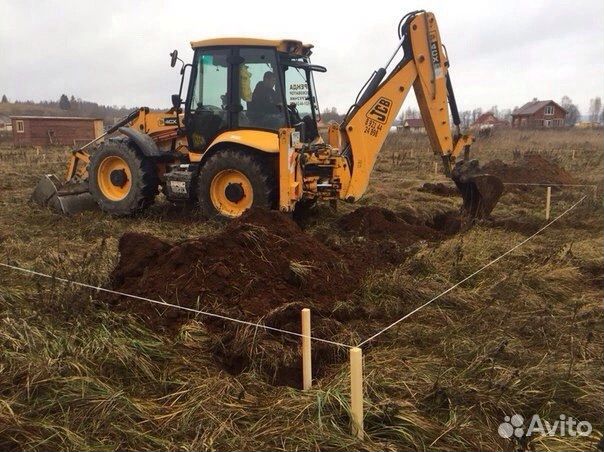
[(208, 106)]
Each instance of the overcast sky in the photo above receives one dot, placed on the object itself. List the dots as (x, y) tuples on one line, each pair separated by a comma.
[(116, 52)]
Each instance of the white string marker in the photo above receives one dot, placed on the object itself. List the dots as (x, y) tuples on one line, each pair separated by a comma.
[(497, 259), (170, 305)]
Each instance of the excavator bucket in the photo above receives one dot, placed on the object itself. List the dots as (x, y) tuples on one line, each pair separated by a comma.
[(480, 191), (67, 199)]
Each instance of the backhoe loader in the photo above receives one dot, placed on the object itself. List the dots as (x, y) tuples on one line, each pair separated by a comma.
[(245, 135)]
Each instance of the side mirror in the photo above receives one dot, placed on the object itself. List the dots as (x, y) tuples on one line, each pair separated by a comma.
[(176, 101), (174, 58)]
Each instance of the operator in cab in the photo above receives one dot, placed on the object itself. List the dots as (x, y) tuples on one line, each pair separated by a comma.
[(266, 105)]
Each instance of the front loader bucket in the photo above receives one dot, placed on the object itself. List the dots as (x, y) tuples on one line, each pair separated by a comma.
[(68, 199), (480, 192)]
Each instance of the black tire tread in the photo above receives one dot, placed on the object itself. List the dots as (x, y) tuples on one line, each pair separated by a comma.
[(144, 187), (258, 168)]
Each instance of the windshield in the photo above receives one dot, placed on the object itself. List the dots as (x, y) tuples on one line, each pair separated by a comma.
[(297, 89)]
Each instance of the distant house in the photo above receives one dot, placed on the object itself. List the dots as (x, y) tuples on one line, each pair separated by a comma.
[(539, 114), (414, 125), (488, 120), (54, 130), (5, 123)]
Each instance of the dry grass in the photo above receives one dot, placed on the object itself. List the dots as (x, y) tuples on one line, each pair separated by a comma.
[(525, 336)]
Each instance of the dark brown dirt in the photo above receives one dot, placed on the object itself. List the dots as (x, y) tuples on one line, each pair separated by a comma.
[(377, 223), (264, 267), (254, 265), (450, 223), (439, 189), (531, 169)]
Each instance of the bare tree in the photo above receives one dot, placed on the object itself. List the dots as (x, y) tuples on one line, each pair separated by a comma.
[(466, 118), (476, 113), (595, 105), (411, 113), (331, 114), (505, 114), (572, 111)]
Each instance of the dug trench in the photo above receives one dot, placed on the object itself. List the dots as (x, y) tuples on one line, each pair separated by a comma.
[(264, 268)]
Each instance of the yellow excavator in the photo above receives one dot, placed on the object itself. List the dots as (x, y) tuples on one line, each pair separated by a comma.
[(244, 133)]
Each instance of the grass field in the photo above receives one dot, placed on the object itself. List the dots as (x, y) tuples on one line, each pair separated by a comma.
[(525, 336)]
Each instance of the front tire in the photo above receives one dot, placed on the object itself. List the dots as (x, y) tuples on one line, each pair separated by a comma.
[(122, 181), (233, 180)]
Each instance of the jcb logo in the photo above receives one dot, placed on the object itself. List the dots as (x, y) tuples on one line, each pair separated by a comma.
[(438, 71), (379, 111), (434, 53)]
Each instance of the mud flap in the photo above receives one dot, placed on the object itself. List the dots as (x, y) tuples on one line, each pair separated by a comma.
[(69, 199), (480, 192)]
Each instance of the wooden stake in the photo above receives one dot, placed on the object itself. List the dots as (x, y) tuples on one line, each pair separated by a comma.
[(356, 391), (436, 168), (573, 154), (306, 351), (548, 201)]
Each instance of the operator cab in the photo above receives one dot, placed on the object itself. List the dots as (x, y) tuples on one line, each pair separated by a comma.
[(240, 83)]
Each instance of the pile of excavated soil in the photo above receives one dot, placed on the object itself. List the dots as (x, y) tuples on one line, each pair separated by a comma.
[(264, 267), (378, 223), (439, 189), (531, 169), (257, 263)]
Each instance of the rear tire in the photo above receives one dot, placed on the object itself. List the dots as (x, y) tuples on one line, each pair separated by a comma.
[(233, 180), (121, 180)]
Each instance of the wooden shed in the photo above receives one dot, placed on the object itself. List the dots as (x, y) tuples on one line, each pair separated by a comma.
[(54, 130), (414, 125)]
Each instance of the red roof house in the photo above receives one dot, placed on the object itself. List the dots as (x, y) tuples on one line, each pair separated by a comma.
[(488, 120), (539, 114)]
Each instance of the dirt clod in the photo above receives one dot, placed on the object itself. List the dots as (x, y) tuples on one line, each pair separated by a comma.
[(439, 189), (378, 223), (531, 169)]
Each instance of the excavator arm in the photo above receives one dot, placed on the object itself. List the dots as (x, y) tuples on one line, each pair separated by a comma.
[(424, 67)]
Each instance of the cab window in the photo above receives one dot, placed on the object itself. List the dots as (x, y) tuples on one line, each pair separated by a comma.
[(260, 90), (297, 93), (208, 113)]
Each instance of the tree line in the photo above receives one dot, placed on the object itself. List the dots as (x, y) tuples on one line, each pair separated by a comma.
[(72, 106), (69, 106), (468, 117)]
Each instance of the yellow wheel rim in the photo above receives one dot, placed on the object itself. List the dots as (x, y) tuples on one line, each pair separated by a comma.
[(231, 193), (114, 178)]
